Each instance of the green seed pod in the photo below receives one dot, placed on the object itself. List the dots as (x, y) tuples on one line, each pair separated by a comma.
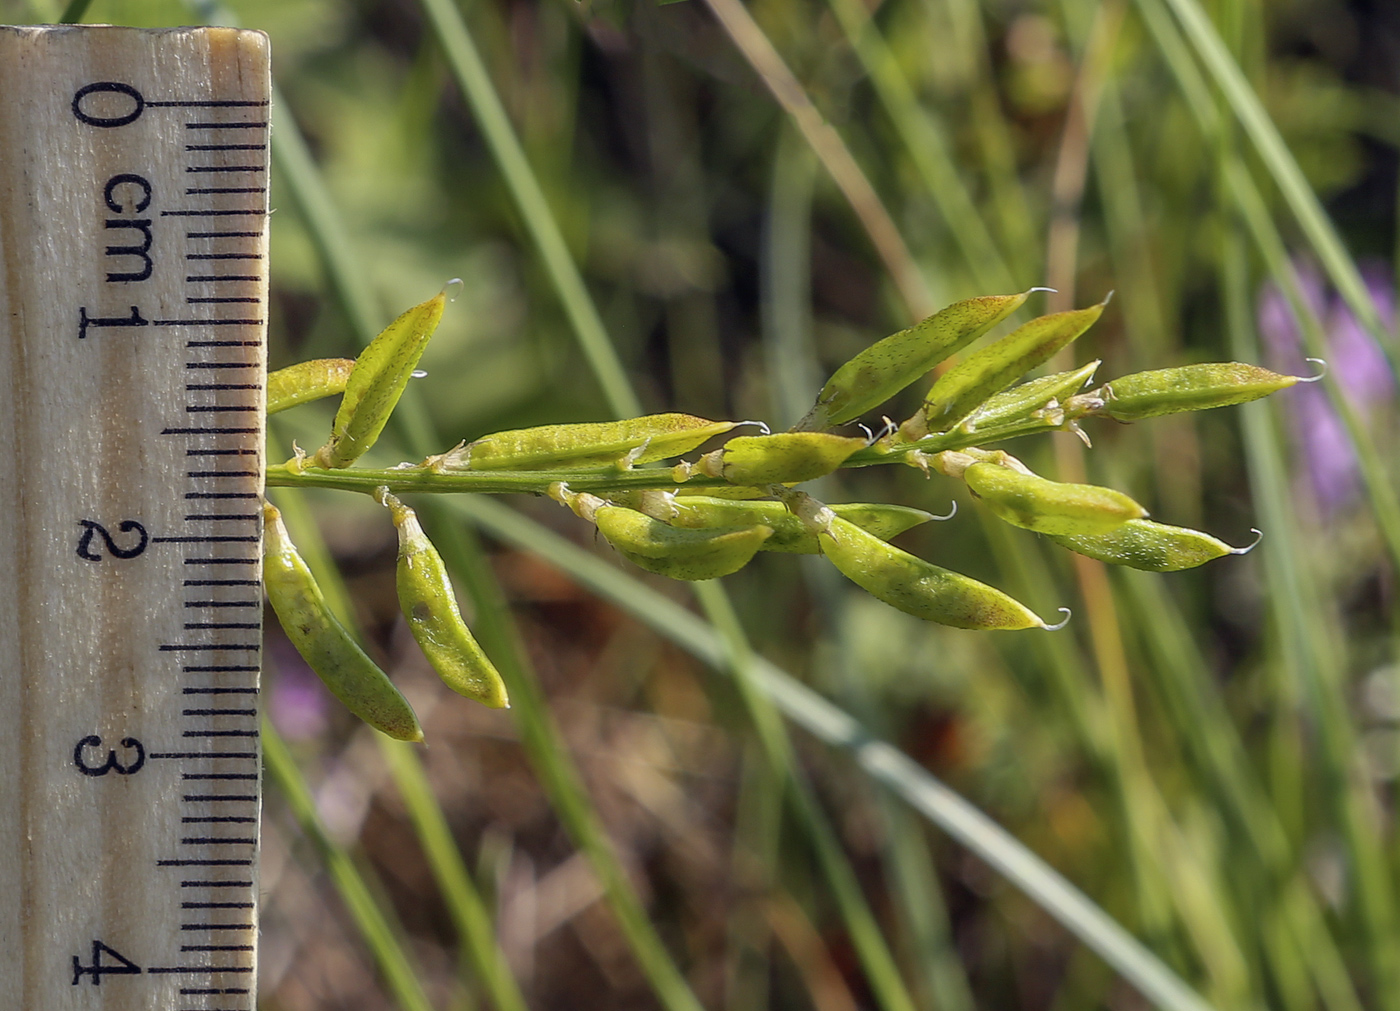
[(429, 604), (636, 440), (323, 642), (376, 383), (733, 491), (915, 586), (306, 381), (1038, 397), (790, 534), (1156, 547), (1050, 507), (983, 374), (678, 553), (785, 458), (891, 364), (1189, 388)]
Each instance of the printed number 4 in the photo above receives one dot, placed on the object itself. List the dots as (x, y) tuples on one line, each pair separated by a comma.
[(124, 966)]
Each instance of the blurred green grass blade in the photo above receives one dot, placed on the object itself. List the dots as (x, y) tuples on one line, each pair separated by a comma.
[(883, 762), (794, 373), (1374, 472), (831, 150), (924, 141), (1299, 614), (991, 126), (471, 75), (469, 913), (495, 126), (75, 12), (754, 860), (560, 777), (1244, 194), (291, 159), (459, 894), (1299, 938), (882, 974), (374, 926), (1282, 166)]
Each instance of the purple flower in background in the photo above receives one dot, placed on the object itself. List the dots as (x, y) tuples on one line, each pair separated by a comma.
[(1321, 445), (298, 703)]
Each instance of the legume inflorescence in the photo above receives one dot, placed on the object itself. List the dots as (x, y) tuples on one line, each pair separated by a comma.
[(708, 517)]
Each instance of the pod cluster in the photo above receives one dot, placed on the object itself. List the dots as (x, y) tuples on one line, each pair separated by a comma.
[(672, 502)]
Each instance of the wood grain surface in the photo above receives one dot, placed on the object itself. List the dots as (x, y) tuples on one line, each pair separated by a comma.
[(133, 280)]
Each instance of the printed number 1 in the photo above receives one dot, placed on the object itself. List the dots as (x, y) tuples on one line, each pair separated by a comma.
[(125, 966)]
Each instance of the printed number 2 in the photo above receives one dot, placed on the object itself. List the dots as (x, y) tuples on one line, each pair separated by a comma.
[(126, 526), (124, 966)]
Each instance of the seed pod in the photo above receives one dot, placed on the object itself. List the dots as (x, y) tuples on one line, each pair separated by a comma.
[(790, 534), (429, 604), (737, 492), (1155, 547), (918, 587), (636, 440), (306, 381), (1050, 507), (1030, 399), (323, 642), (973, 381), (1189, 388), (678, 553), (784, 458), (376, 383), (891, 364)]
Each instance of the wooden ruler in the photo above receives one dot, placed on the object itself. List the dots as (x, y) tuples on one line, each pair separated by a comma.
[(133, 285)]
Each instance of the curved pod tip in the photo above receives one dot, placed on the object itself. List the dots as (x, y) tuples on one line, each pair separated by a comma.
[(1322, 373), (1068, 614), (1258, 536)]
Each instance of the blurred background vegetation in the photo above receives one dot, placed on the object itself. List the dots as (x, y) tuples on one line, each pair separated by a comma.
[(1211, 756)]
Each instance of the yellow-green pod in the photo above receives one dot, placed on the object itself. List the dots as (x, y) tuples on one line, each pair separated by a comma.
[(635, 440), (1155, 547), (1050, 507), (427, 600), (784, 458), (323, 642), (376, 383), (729, 491), (790, 534), (1189, 388), (675, 552), (307, 381), (1021, 402), (918, 587), (891, 364), (983, 374)]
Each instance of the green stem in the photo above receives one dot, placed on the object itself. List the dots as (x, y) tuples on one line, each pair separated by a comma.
[(597, 479)]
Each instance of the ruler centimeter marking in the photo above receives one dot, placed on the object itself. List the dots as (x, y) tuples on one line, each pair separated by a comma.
[(133, 279)]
